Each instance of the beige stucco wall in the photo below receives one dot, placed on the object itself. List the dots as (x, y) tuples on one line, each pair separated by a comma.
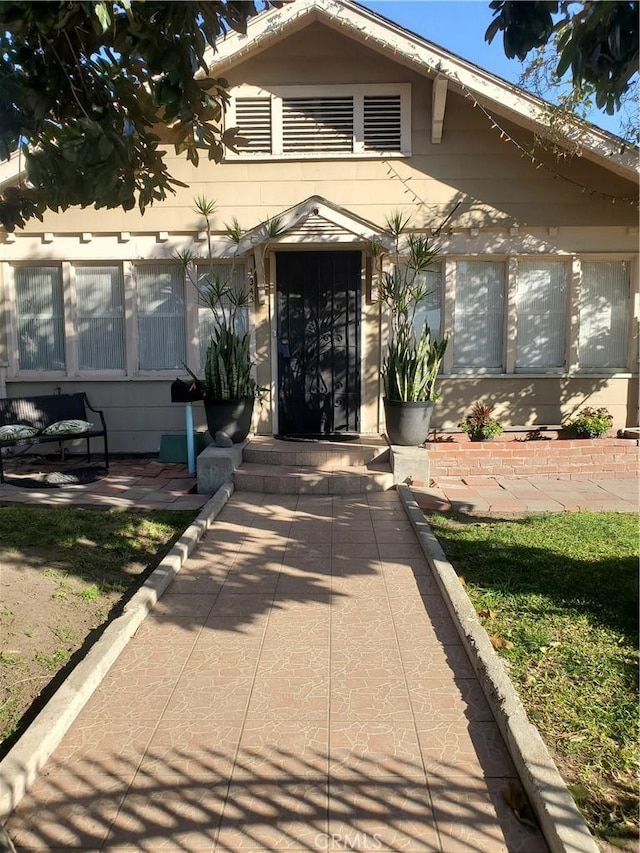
[(517, 208)]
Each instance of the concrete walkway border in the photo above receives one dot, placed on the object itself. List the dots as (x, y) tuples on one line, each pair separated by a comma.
[(21, 765), (560, 821)]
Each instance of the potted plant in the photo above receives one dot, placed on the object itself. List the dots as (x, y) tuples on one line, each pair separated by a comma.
[(479, 425), (590, 423), (413, 358), (228, 388)]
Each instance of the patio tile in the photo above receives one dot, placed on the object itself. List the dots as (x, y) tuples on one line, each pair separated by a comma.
[(436, 661), (228, 657), (463, 748), (170, 815), (288, 698), (438, 699), (368, 750), (91, 748), (471, 818), (294, 661), (392, 815), (209, 699), (422, 630), (196, 750), (283, 814), (68, 810), (379, 659), (150, 661), (281, 749), (356, 699)]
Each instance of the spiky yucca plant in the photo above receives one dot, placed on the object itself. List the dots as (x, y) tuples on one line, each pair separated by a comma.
[(227, 368), (410, 368)]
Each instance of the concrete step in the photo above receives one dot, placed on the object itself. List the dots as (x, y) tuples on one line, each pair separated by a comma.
[(306, 479), (266, 450)]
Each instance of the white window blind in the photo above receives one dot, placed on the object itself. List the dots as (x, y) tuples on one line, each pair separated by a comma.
[(604, 300), (317, 124), (40, 318), (161, 321), (253, 120), (100, 312), (479, 309), (236, 276), (541, 305)]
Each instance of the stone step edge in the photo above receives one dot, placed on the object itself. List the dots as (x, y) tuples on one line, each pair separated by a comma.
[(314, 458), (289, 480)]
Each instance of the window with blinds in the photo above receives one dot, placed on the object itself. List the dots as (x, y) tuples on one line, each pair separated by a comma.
[(100, 317), (604, 301), (335, 121), (541, 306), (479, 315), (39, 309), (234, 275), (161, 316)]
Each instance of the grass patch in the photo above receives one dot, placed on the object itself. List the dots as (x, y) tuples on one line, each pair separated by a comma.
[(65, 573), (563, 589)]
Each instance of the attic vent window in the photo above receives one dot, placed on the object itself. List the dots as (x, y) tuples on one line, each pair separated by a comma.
[(322, 121), (317, 124), (253, 119), (382, 123)]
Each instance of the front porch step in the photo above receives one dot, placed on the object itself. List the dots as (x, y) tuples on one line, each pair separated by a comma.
[(313, 480), (267, 450)]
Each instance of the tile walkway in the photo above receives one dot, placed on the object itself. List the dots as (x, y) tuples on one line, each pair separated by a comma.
[(300, 686)]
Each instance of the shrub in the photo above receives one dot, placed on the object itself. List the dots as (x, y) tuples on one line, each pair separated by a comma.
[(590, 423), (479, 424)]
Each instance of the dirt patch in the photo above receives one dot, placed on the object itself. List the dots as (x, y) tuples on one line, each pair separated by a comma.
[(56, 598)]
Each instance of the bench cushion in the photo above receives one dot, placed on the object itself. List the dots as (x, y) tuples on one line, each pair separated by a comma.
[(15, 432), (71, 426)]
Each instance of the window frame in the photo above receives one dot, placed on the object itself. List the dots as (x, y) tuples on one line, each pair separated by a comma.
[(276, 94), (628, 320)]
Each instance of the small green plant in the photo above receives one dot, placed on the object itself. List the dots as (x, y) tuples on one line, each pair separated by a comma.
[(479, 425), (590, 423)]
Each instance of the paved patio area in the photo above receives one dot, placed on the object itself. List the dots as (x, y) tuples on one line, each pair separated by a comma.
[(135, 483), (300, 686)]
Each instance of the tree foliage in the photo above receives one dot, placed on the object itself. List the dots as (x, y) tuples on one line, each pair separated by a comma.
[(597, 42), (90, 90)]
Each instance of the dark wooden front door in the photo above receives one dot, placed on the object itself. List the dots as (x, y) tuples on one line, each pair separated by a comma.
[(318, 319)]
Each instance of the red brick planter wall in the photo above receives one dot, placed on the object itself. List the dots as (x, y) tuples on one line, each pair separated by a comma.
[(510, 455)]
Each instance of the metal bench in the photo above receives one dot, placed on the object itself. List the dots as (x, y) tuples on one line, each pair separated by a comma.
[(43, 411)]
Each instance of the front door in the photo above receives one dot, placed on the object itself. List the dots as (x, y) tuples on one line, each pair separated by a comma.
[(318, 318)]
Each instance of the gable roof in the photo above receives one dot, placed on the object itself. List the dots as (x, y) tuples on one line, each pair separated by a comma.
[(407, 48), (314, 219)]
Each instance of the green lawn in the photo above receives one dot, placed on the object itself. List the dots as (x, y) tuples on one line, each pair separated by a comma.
[(563, 589)]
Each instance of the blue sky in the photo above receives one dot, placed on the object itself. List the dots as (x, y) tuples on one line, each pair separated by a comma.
[(459, 26)]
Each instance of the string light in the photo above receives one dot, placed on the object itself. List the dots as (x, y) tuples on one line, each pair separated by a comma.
[(539, 164)]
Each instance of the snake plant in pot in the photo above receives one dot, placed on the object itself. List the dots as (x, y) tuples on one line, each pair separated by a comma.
[(414, 357), (228, 387)]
